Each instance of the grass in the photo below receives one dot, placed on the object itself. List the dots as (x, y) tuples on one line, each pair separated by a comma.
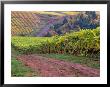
[(18, 69), (75, 59)]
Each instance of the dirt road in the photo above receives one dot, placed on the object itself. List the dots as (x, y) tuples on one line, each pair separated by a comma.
[(49, 67)]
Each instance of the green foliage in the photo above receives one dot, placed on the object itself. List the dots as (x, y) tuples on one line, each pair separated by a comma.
[(81, 43)]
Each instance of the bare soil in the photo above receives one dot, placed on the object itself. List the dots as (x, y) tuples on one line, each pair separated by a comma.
[(49, 67)]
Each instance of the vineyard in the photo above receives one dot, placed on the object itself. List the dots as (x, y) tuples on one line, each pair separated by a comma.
[(65, 43), (82, 43)]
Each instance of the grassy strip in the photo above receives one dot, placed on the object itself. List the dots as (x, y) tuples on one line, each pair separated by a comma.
[(18, 69), (75, 59)]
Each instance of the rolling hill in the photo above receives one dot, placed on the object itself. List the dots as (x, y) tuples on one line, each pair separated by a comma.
[(48, 23)]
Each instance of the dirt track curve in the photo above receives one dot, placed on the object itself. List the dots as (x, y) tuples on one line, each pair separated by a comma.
[(49, 67)]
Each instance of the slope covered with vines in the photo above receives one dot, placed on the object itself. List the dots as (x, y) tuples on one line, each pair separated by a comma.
[(47, 24)]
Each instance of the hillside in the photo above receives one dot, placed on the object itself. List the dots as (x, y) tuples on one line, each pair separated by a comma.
[(33, 23)]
